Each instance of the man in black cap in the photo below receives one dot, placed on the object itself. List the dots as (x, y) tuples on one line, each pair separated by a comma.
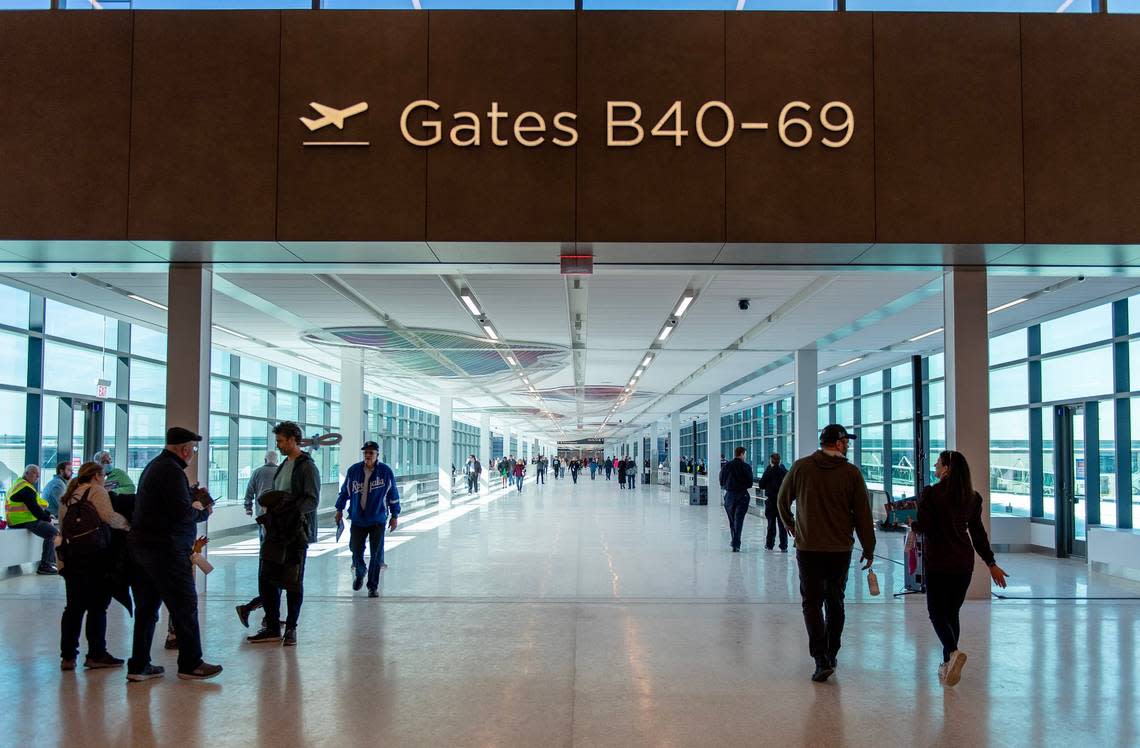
[(370, 493), (163, 528), (831, 501)]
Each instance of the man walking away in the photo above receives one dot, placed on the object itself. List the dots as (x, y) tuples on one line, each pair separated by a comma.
[(593, 468), (770, 485), (163, 529), (259, 482), (282, 565), (608, 465), (831, 502), (736, 480), (372, 497), (27, 510), (619, 465), (540, 470), (631, 473)]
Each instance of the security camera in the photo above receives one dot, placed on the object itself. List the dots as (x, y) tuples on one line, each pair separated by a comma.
[(744, 304), (1080, 279), (73, 274)]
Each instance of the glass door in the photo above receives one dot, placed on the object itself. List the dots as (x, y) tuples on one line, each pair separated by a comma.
[(1072, 473)]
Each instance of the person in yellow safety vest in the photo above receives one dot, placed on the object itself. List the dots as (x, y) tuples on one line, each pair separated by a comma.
[(25, 509)]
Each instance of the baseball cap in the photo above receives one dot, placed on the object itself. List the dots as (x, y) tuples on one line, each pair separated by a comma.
[(833, 433), (370, 445), (179, 435)]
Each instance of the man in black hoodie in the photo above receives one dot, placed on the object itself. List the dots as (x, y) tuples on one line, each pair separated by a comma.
[(770, 485), (831, 501), (165, 522)]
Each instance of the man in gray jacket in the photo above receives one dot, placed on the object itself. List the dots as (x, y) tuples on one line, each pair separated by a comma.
[(260, 482), (831, 501)]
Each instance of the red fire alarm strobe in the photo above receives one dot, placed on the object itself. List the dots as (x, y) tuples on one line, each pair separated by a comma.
[(577, 264)]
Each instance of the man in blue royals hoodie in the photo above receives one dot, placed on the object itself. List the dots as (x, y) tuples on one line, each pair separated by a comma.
[(370, 492)]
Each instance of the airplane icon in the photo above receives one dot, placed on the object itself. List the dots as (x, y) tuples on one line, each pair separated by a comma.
[(332, 116)]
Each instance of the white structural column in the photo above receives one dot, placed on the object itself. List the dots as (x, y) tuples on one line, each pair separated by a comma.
[(507, 442), (651, 436), (713, 461), (352, 426), (485, 450), (188, 318), (675, 451), (807, 382), (968, 390), (446, 487)]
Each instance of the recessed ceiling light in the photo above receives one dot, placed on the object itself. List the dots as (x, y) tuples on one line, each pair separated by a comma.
[(228, 331), (469, 301), (821, 371), (511, 361), (850, 361), (771, 390), (144, 300), (665, 332), (646, 360), (490, 332), (638, 372), (788, 384), (684, 305), (1007, 305), (926, 334)]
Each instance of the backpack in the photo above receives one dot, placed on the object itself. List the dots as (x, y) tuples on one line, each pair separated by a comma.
[(84, 532)]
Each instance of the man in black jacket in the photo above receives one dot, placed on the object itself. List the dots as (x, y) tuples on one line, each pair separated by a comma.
[(163, 529), (736, 480), (770, 485), (298, 477)]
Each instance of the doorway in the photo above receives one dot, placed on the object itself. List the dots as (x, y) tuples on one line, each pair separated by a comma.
[(1076, 469), (82, 425)]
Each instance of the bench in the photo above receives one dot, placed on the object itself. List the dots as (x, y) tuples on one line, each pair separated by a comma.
[(18, 546)]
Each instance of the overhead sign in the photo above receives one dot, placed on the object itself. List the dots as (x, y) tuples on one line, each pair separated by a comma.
[(798, 124)]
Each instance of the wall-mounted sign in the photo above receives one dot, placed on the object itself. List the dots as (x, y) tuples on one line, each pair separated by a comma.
[(714, 124)]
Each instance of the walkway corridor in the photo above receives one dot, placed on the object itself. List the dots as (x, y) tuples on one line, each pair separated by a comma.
[(586, 615)]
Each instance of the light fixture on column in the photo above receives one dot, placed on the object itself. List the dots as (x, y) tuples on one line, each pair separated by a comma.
[(469, 302), (145, 300), (926, 334), (1007, 305), (228, 331)]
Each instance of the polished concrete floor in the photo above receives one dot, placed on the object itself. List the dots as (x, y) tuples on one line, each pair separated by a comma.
[(585, 615)]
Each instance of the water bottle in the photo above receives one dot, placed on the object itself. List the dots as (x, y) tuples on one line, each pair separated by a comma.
[(872, 582)]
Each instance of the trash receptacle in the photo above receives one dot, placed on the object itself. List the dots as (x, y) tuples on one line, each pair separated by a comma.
[(698, 495)]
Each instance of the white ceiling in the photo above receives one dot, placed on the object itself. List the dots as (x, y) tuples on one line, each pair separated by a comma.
[(626, 309)]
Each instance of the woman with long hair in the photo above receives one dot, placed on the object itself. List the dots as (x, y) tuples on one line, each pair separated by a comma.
[(950, 518), (85, 568)]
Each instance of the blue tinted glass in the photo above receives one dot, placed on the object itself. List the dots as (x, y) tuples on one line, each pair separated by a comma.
[(1079, 375), (1009, 347), (24, 4), (497, 4), (1009, 386), (972, 6), (1124, 6), (185, 4), (1076, 329), (659, 5), (348, 4)]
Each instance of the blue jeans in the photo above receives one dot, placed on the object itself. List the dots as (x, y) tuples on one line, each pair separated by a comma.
[(47, 531), (375, 537), (519, 481)]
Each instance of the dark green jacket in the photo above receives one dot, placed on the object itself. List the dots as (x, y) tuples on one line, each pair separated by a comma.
[(831, 502)]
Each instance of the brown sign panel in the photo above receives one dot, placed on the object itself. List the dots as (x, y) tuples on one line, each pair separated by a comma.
[(204, 126), (372, 192), (65, 95), (815, 192)]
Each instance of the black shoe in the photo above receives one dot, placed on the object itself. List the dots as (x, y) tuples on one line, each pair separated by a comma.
[(104, 660), (243, 615), (47, 571), (357, 582), (823, 670), (736, 550), (67, 665), (290, 638), (265, 635), (783, 550), (150, 671), (373, 593), (171, 643), (202, 672), (769, 548)]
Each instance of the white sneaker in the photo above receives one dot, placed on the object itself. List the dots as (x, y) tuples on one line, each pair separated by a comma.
[(954, 667), (942, 673)]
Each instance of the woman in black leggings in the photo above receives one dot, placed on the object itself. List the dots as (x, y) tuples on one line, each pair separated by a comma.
[(950, 518)]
